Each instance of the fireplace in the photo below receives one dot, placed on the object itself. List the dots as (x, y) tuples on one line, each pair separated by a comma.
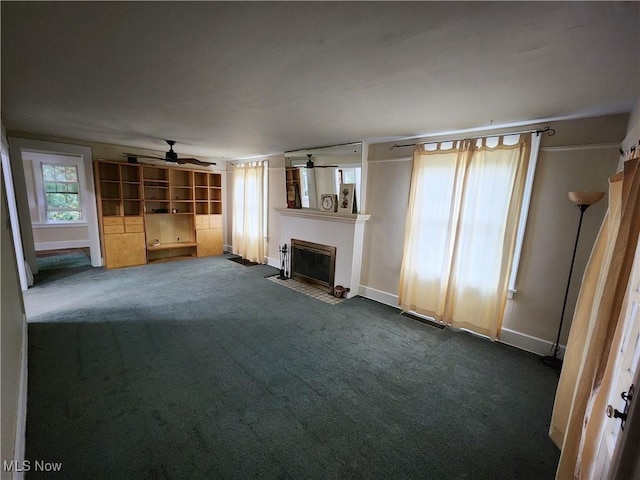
[(313, 263), (344, 231)]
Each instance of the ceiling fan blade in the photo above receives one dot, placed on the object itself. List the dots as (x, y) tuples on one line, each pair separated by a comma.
[(171, 156), (195, 161), (136, 155)]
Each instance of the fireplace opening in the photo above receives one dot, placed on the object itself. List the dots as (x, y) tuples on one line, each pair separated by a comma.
[(313, 263)]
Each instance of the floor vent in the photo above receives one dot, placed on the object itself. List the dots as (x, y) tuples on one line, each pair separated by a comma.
[(425, 320)]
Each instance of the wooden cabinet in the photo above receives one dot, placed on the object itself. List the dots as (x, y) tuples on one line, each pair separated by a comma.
[(124, 250), (209, 235), (208, 208), (154, 213), (119, 194)]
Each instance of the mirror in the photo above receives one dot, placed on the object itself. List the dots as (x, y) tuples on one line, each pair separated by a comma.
[(319, 171)]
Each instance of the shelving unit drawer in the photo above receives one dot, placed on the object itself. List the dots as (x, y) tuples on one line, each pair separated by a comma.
[(110, 229), (202, 222), (109, 221), (215, 221), (134, 228), (133, 220)]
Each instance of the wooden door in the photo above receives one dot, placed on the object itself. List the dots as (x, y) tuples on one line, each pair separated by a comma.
[(626, 365), (124, 250), (209, 242)]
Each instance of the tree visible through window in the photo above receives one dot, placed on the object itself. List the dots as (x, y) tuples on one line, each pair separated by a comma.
[(62, 193)]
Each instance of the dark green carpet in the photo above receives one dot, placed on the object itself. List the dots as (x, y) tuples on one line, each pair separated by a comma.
[(203, 369)]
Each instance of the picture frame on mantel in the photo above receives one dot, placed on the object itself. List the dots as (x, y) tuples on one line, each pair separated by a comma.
[(347, 198)]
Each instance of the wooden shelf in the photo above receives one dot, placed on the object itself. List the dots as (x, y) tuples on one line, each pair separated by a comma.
[(171, 246), (170, 259), (127, 191)]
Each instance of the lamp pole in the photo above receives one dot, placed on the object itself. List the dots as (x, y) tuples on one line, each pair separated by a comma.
[(582, 200)]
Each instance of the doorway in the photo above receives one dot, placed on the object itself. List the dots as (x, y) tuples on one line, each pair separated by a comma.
[(32, 190)]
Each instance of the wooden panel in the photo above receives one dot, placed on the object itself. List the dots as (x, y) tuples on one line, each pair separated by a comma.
[(170, 255), (168, 228), (125, 250), (111, 229), (133, 220), (209, 242), (170, 246), (112, 221), (215, 221), (202, 221), (134, 228)]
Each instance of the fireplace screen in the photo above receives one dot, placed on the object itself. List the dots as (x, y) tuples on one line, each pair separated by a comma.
[(313, 262)]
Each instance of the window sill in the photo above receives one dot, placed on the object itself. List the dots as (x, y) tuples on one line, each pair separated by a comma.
[(59, 225)]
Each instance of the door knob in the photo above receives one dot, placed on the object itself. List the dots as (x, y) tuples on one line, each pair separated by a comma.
[(615, 413)]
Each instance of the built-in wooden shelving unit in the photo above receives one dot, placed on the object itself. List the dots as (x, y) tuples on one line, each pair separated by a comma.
[(154, 213)]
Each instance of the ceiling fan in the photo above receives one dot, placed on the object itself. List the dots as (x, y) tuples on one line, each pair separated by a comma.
[(170, 156)]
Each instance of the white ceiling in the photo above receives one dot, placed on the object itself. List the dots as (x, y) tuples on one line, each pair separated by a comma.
[(236, 79)]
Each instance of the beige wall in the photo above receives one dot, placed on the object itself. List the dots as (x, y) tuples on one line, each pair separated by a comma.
[(552, 223), (52, 235), (550, 236), (12, 334), (632, 138)]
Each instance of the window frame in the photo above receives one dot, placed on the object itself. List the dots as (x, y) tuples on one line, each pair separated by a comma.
[(40, 159)]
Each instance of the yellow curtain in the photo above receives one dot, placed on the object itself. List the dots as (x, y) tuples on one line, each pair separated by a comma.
[(464, 207), (248, 211), (587, 369)]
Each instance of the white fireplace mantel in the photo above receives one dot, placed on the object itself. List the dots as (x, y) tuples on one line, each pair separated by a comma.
[(340, 230), (322, 215)]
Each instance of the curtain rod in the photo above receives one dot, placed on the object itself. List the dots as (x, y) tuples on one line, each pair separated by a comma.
[(548, 130)]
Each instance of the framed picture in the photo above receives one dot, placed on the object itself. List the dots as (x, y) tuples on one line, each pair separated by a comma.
[(328, 202), (347, 198)]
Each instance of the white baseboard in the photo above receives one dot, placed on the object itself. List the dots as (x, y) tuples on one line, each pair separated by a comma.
[(228, 248), (21, 421), (527, 342), (61, 245), (273, 262), (507, 336), (378, 296)]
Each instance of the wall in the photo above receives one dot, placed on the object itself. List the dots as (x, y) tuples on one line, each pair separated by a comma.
[(632, 138), (532, 316), (277, 199), (13, 334)]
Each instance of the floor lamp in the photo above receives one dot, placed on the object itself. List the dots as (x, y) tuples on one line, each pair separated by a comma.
[(582, 201)]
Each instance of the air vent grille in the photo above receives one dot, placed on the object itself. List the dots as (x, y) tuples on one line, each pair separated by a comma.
[(426, 321)]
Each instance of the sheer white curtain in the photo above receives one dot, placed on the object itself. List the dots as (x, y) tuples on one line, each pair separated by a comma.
[(464, 207), (248, 211)]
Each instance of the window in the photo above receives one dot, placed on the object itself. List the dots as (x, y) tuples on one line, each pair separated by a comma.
[(461, 230), (55, 189), (61, 193)]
